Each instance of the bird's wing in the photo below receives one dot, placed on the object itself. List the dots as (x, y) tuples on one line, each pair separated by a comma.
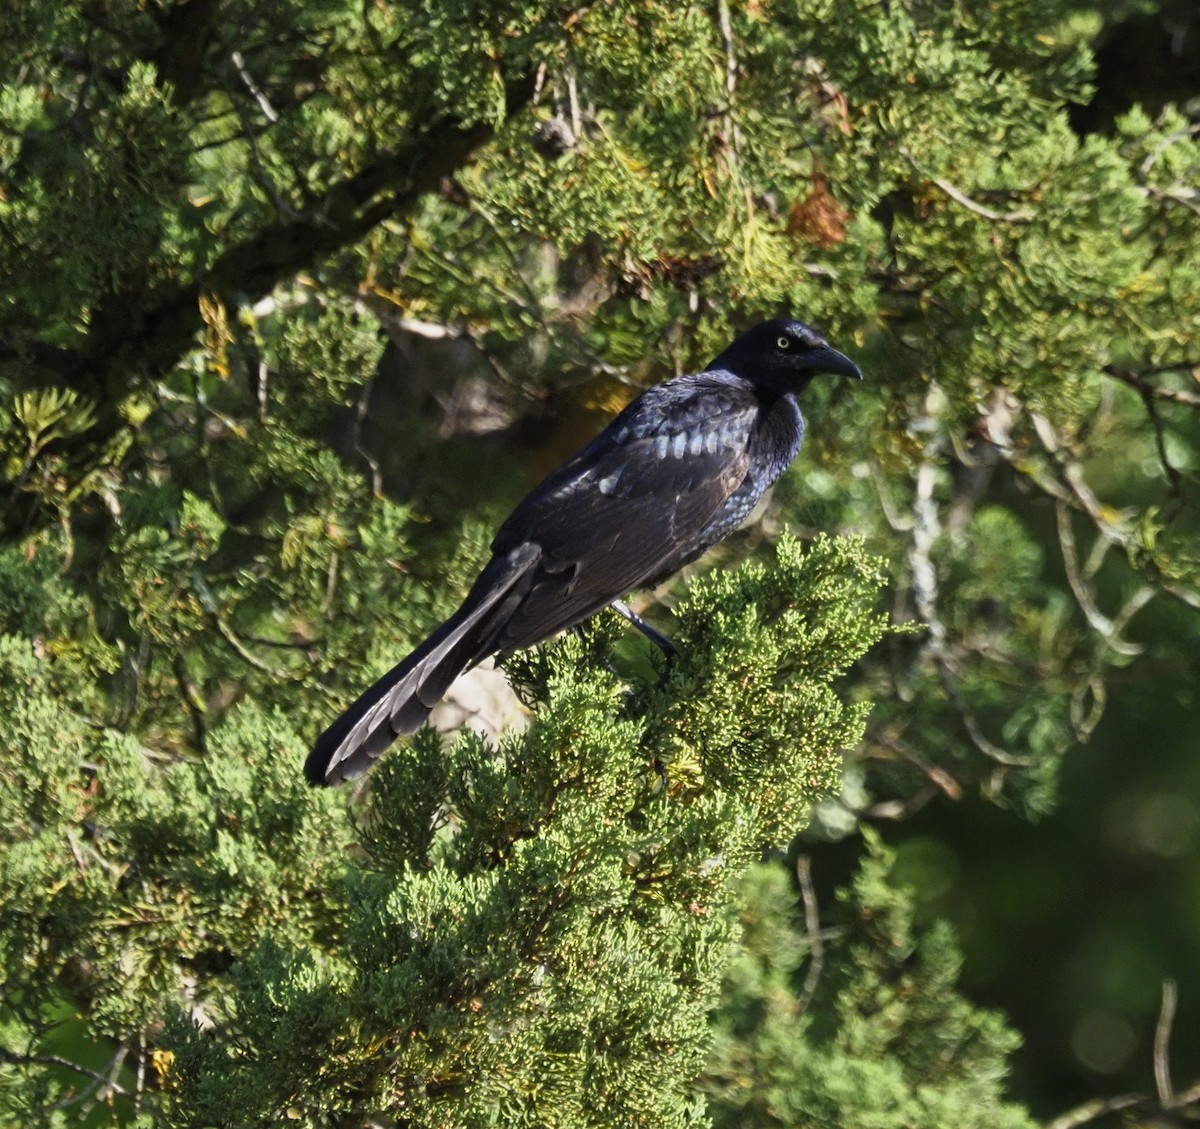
[(632, 502)]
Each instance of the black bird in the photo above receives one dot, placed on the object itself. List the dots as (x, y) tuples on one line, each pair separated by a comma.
[(679, 469)]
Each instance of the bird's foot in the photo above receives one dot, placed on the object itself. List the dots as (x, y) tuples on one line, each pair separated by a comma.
[(656, 637)]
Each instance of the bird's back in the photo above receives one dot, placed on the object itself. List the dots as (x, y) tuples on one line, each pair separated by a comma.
[(675, 472)]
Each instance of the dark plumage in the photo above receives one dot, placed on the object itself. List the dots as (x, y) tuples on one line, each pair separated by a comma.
[(679, 469)]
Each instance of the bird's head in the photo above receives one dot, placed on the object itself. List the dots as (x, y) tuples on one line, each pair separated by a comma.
[(783, 355)]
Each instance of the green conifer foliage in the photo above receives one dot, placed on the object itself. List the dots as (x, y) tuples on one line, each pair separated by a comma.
[(879, 1038), (542, 928), (293, 297)]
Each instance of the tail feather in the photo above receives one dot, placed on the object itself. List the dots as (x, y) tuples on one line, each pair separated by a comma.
[(400, 702)]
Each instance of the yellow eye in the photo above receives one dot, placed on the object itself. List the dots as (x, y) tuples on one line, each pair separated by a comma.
[(783, 342)]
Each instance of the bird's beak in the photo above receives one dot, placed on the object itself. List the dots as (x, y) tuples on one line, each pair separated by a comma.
[(827, 359)]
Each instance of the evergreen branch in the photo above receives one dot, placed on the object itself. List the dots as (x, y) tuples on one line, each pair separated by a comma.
[(137, 332), (1165, 143), (133, 329)]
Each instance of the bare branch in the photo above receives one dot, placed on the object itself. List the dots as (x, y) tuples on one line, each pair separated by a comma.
[(193, 701), (106, 1081), (938, 778), (1180, 194), (812, 926), (726, 26), (1136, 379), (898, 523), (1188, 1097), (1162, 1043), (1167, 1099), (896, 810), (263, 390), (960, 197), (1150, 395), (926, 527), (75, 852), (210, 604), (264, 104), (1066, 482), (1093, 1110), (1084, 596)]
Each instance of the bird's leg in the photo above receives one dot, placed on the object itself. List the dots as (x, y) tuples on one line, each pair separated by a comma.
[(656, 637), (668, 649)]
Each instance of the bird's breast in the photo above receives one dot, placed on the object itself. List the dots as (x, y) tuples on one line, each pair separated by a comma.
[(777, 439)]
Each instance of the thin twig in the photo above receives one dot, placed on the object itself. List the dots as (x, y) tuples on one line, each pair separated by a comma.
[(926, 526), (898, 523), (331, 580), (1136, 379), (1188, 1097), (261, 175), (1162, 1043), (269, 111), (901, 809), (960, 197), (75, 852), (1150, 402), (139, 1086), (362, 407), (573, 102), (193, 702), (731, 74), (941, 780), (949, 680), (107, 1081), (1133, 605), (1067, 483), (812, 927), (1093, 1110), (727, 38), (1100, 623), (209, 603), (263, 391)]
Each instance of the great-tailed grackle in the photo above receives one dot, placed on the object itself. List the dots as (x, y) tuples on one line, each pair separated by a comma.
[(679, 469)]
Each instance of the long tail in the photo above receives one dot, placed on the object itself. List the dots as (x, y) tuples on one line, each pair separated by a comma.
[(400, 702)]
